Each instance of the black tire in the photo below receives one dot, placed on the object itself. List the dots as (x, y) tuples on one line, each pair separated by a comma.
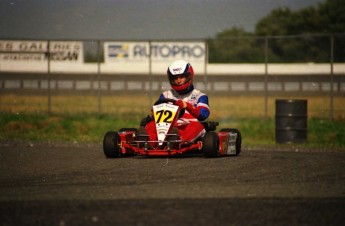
[(210, 144), (111, 143), (238, 140)]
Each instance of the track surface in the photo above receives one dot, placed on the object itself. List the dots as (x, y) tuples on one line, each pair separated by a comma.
[(60, 184)]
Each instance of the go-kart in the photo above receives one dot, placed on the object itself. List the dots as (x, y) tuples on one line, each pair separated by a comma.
[(133, 141)]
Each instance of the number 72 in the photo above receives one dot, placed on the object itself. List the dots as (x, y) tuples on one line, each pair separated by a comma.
[(164, 116)]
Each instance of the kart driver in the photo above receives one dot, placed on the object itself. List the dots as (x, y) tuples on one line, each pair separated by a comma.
[(180, 74)]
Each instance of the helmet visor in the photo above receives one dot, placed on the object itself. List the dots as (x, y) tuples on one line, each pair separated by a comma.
[(180, 79)]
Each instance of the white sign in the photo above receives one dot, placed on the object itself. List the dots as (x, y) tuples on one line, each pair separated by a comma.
[(191, 51), (66, 51), (23, 46), (125, 51), (134, 57), (22, 51), (128, 51), (38, 50)]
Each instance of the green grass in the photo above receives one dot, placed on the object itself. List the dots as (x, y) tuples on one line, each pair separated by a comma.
[(42, 127), (222, 106), (75, 118), (90, 128)]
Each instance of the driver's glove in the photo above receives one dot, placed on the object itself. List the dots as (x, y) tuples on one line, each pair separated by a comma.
[(182, 104), (189, 107)]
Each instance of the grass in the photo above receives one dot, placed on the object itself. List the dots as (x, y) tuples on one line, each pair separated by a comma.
[(221, 106), (75, 118)]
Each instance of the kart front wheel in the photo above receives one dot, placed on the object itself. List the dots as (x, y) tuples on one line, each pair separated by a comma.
[(111, 144), (210, 144)]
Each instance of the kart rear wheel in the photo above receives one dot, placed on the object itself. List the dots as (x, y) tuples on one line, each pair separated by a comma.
[(111, 144), (210, 144), (238, 139)]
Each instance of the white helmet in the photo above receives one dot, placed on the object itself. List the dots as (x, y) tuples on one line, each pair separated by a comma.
[(181, 68)]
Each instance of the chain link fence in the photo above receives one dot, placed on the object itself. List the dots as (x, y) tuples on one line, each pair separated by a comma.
[(241, 75)]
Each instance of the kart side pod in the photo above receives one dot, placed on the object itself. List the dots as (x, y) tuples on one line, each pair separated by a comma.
[(229, 142)]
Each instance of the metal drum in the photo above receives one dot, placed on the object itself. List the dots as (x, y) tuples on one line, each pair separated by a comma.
[(291, 121)]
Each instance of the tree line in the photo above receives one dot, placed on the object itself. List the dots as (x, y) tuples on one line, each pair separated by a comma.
[(313, 34)]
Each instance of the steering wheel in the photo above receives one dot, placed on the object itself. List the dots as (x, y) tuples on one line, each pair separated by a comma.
[(168, 100), (165, 100)]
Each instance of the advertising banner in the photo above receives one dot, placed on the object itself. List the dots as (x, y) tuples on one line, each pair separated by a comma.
[(169, 51), (16, 55), (14, 51), (126, 52), (135, 57), (129, 51), (66, 51), (37, 50), (119, 57)]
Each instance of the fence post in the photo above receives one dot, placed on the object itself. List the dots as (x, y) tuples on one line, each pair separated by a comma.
[(99, 94), (49, 78), (150, 74), (332, 77), (205, 65), (266, 76)]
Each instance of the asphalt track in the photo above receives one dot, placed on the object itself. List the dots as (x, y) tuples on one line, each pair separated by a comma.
[(73, 184)]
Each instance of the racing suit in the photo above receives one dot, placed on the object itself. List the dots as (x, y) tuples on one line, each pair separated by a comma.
[(189, 127)]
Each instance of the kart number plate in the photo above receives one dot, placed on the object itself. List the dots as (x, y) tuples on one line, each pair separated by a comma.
[(164, 115)]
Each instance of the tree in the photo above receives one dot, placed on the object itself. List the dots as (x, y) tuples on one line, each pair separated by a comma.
[(327, 18), (276, 23), (294, 36), (235, 46), (332, 16)]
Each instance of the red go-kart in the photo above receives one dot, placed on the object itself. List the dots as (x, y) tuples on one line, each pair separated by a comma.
[(133, 141)]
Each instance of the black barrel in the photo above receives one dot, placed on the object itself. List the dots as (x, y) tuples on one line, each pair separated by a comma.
[(291, 121)]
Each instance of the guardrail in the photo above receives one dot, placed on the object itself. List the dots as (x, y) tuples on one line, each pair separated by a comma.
[(234, 84)]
